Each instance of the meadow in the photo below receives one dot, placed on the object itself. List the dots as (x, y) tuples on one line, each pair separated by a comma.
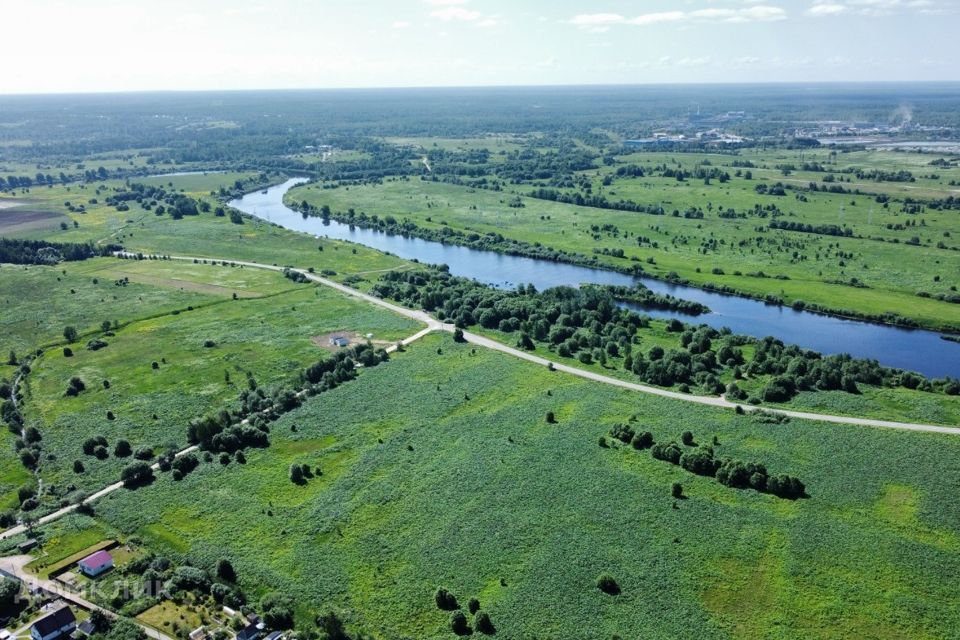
[(439, 469), (889, 259), (270, 331), (205, 235)]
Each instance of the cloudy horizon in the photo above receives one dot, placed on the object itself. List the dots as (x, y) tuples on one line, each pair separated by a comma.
[(106, 45)]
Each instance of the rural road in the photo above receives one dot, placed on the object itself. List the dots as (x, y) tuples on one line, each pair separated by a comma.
[(714, 401), (435, 325), (14, 565)]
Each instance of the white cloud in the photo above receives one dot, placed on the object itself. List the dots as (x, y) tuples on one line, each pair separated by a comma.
[(596, 19), (444, 3), (458, 14), (753, 13), (401, 24), (874, 7)]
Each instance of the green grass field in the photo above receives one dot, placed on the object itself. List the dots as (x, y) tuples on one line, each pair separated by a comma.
[(204, 235), (273, 330), (439, 469), (893, 272)]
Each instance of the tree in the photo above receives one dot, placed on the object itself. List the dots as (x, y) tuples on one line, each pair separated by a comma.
[(70, 333), (12, 359), (687, 438), (99, 620), (473, 605), (458, 622), (676, 490), (446, 600), (551, 418), (458, 335), (483, 624), (136, 475), (78, 466), (296, 474), (642, 440), (9, 590), (225, 570), (105, 326), (122, 449), (235, 217), (277, 610), (332, 626), (608, 585)]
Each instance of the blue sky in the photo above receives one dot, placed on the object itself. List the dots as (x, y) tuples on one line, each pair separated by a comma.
[(105, 45)]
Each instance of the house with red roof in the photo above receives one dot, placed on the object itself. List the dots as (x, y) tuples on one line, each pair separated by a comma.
[(96, 563)]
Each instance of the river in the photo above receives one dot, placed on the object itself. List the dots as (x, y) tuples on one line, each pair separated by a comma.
[(916, 350)]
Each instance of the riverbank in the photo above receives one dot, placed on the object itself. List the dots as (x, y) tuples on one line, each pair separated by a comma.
[(914, 350)]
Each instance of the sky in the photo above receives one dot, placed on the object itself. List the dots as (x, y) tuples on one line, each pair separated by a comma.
[(53, 46)]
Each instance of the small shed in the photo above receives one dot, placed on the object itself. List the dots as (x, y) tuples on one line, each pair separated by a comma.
[(27, 545), (96, 563), (86, 627), (198, 634)]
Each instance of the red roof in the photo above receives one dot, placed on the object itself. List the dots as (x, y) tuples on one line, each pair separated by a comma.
[(97, 560)]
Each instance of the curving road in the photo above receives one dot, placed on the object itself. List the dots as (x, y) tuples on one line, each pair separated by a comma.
[(435, 325), (714, 401)]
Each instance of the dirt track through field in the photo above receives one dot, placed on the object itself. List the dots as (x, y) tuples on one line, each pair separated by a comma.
[(435, 325)]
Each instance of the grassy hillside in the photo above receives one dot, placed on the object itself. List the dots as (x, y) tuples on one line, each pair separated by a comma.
[(439, 468)]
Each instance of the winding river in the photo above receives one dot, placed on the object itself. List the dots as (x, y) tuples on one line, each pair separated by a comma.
[(916, 350)]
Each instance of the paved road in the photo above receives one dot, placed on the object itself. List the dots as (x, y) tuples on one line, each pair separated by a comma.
[(15, 566), (714, 401)]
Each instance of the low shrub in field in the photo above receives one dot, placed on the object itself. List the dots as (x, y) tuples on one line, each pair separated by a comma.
[(608, 585)]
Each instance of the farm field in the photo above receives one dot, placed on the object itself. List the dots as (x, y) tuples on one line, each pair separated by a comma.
[(270, 332), (463, 484), (875, 271)]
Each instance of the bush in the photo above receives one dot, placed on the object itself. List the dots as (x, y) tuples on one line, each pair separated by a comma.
[(473, 605), (136, 474), (446, 600), (189, 579), (458, 623), (687, 438), (483, 624), (143, 453), (676, 490), (622, 432), (700, 462), (67, 352), (642, 440), (122, 449), (75, 386), (669, 452), (551, 418), (608, 585), (277, 611), (78, 466), (296, 474)]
